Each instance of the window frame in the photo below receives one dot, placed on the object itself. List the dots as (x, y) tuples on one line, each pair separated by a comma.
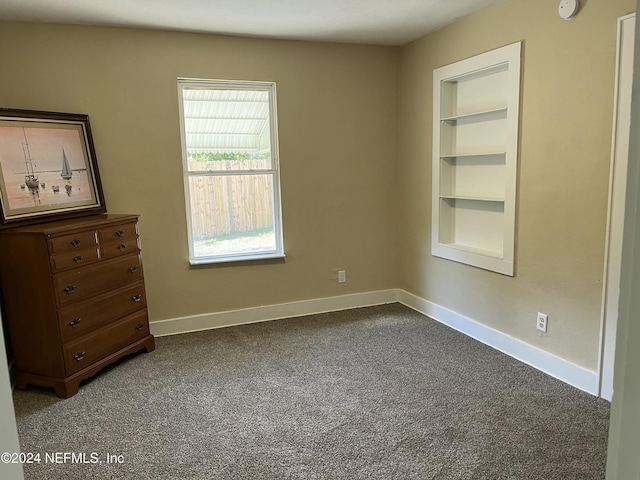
[(273, 171)]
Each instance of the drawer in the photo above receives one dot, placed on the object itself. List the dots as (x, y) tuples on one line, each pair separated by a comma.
[(73, 242), (74, 259), (84, 317), (90, 348), (125, 232), (82, 283), (119, 247)]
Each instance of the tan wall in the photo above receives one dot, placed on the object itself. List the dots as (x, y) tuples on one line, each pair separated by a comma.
[(355, 160), (337, 119), (565, 141)]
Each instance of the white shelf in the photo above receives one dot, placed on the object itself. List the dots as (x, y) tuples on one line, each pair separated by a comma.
[(474, 198), (472, 134), (473, 155), (473, 177), (476, 115), (476, 224), (474, 90), (474, 250), (475, 145)]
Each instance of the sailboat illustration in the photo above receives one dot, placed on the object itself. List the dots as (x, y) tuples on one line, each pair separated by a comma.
[(30, 178), (66, 170)]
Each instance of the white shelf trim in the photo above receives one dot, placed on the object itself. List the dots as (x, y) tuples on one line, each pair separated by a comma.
[(467, 126)]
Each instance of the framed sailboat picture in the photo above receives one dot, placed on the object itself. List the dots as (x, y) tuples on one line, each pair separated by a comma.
[(48, 167)]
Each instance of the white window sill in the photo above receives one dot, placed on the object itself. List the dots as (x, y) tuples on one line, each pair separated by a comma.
[(236, 258)]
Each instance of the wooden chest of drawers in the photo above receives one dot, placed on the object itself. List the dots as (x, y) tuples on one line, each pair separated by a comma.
[(74, 298)]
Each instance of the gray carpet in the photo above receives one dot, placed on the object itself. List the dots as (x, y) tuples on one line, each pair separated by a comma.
[(371, 393)]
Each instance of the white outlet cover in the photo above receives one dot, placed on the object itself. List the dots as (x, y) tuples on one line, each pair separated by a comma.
[(568, 8)]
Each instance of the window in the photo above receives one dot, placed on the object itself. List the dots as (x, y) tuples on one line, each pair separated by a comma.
[(230, 164)]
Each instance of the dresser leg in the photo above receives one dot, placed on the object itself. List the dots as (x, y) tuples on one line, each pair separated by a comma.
[(66, 389), (62, 389), (20, 383), (150, 344)]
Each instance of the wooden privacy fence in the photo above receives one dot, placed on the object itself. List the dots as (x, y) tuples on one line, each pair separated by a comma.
[(230, 204)]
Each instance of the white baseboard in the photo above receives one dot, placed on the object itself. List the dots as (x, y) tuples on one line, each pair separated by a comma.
[(579, 377), (265, 313), (557, 367)]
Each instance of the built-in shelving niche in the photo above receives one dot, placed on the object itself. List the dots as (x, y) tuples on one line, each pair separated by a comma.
[(475, 148)]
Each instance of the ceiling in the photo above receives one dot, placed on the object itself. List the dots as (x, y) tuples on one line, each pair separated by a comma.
[(378, 22)]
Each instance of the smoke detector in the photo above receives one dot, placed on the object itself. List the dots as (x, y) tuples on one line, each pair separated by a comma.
[(568, 8)]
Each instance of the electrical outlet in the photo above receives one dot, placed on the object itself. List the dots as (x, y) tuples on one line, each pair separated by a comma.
[(541, 322), (342, 276)]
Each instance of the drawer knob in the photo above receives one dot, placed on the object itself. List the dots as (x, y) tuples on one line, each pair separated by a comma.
[(133, 268), (75, 242), (139, 326), (69, 289), (136, 298), (122, 246), (78, 259), (119, 233), (74, 323), (79, 356)]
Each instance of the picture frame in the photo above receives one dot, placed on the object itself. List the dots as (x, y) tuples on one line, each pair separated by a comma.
[(48, 167)]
